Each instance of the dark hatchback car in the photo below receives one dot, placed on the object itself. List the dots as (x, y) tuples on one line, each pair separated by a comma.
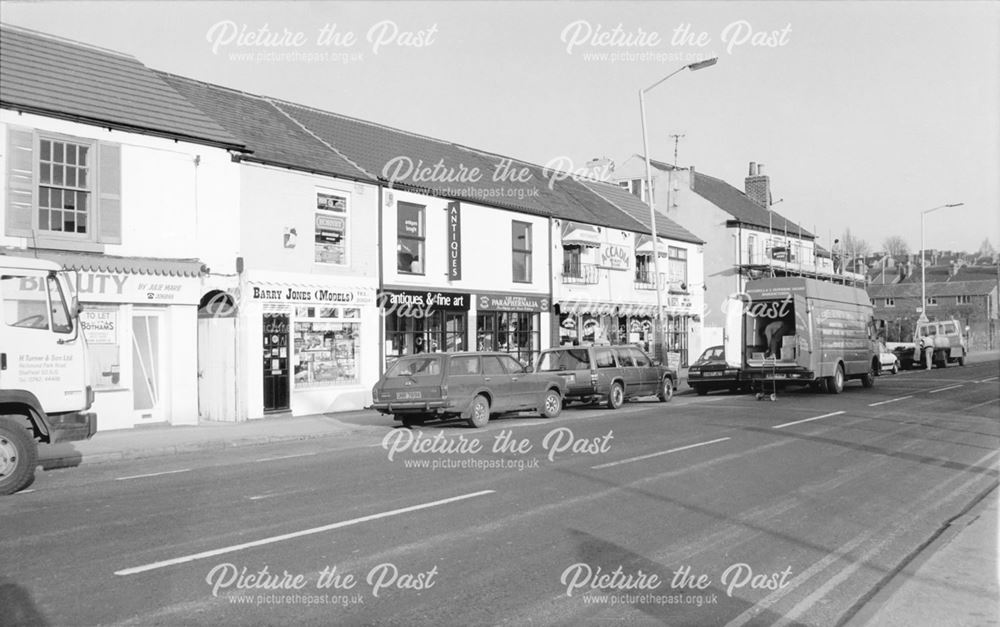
[(711, 372), (608, 373), (471, 386)]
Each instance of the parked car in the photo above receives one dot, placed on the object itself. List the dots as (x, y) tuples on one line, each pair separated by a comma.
[(608, 373), (473, 386), (711, 372), (888, 360)]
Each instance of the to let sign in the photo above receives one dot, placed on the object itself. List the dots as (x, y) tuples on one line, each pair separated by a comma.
[(454, 241)]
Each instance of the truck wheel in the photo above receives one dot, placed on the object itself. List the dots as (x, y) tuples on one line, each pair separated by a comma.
[(835, 384), (552, 404), (479, 413), (666, 390), (18, 456), (961, 360), (616, 397)]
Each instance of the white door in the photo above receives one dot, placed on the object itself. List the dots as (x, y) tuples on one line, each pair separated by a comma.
[(217, 369), (148, 366)]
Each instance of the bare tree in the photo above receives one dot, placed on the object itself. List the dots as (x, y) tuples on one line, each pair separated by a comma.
[(854, 245), (896, 246), (986, 250)]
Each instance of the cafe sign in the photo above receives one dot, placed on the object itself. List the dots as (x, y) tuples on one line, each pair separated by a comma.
[(613, 257)]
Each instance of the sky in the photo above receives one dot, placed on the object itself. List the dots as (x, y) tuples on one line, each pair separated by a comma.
[(865, 114)]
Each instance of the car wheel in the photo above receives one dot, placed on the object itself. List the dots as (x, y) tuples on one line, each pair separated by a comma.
[(666, 390), (616, 397), (961, 360), (895, 367), (868, 378), (479, 412), (552, 404), (700, 390), (835, 384), (18, 456)]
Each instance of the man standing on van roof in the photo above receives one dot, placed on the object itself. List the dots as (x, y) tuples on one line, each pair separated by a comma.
[(772, 335)]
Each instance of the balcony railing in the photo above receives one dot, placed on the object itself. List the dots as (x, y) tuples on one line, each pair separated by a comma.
[(645, 280), (580, 273)]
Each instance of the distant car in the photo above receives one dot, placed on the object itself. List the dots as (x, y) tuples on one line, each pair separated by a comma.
[(418, 388), (888, 360), (711, 372), (608, 373)]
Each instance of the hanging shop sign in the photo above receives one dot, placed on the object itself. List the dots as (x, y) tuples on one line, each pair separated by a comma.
[(454, 241), (305, 294), (508, 301), (613, 257)]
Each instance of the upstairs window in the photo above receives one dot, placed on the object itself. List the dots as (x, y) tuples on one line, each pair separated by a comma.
[(63, 186), (410, 238), (677, 267), (521, 252)]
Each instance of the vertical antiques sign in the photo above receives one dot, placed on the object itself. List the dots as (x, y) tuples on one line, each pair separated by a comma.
[(454, 241)]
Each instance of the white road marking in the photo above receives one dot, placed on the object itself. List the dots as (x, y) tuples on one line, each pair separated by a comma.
[(271, 459), (25, 491), (989, 379), (992, 400), (153, 474), (788, 424), (642, 457), (891, 400), (950, 387), (297, 534)]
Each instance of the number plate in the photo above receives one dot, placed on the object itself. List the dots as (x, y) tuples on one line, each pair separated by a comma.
[(712, 374), (402, 396)]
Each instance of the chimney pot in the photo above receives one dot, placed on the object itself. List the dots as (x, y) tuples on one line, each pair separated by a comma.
[(753, 169), (760, 169)]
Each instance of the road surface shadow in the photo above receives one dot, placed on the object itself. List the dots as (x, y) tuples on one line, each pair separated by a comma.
[(17, 608)]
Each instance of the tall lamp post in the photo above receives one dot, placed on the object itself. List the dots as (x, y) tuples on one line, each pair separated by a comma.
[(923, 275), (658, 326)]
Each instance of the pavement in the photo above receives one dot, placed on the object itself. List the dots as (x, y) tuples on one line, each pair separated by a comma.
[(950, 582)]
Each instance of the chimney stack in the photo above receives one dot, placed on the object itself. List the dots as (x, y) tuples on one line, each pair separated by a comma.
[(758, 186)]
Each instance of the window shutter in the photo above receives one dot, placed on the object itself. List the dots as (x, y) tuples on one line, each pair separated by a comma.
[(20, 182), (109, 203)]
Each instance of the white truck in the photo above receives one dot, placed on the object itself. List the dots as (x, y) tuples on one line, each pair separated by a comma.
[(935, 342), (45, 394)]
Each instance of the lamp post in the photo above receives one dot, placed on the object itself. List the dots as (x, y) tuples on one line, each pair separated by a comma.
[(923, 275), (657, 327)]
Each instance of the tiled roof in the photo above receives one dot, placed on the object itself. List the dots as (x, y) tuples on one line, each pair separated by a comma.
[(734, 202), (106, 263), (949, 288), (52, 76), (634, 207), (267, 132)]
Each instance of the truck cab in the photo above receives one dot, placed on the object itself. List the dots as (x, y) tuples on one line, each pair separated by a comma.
[(45, 390)]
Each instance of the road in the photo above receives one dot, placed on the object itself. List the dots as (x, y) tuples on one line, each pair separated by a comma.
[(716, 510)]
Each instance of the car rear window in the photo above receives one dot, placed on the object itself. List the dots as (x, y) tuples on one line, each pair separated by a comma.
[(572, 359), (463, 365), (415, 366), (950, 328)]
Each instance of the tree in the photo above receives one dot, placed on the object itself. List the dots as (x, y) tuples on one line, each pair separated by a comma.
[(896, 246), (854, 246)]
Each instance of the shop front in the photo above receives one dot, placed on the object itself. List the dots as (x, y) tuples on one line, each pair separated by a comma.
[(511, 323), (304, 344), (424, 321), (140, 321), (595, 322)]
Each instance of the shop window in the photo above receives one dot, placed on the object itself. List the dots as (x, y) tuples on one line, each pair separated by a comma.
[(327, 347), (438, 331), (100, 325), (514, 332), (410, 238), (331, 228), (521, 251)]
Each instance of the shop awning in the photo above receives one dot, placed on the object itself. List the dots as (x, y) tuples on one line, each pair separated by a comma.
[(574, 234), (672, 305), (644, 245), (93, 262)]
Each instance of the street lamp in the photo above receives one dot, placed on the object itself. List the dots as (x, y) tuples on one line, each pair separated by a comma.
[(923, 275), (657, 327)]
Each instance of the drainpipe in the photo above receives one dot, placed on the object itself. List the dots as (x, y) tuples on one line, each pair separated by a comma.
[(380, 247)]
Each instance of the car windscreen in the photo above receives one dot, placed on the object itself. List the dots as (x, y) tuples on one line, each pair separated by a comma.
[(572, 359), (416, 366)]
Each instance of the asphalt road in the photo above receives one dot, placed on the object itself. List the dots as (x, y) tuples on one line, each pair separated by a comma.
[(716, 510)]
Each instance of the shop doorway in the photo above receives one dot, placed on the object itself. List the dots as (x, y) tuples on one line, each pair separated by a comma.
[(147, 366), (217, 357), (276, 380)]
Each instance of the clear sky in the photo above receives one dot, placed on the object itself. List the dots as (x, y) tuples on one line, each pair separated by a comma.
[(864, 113)]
